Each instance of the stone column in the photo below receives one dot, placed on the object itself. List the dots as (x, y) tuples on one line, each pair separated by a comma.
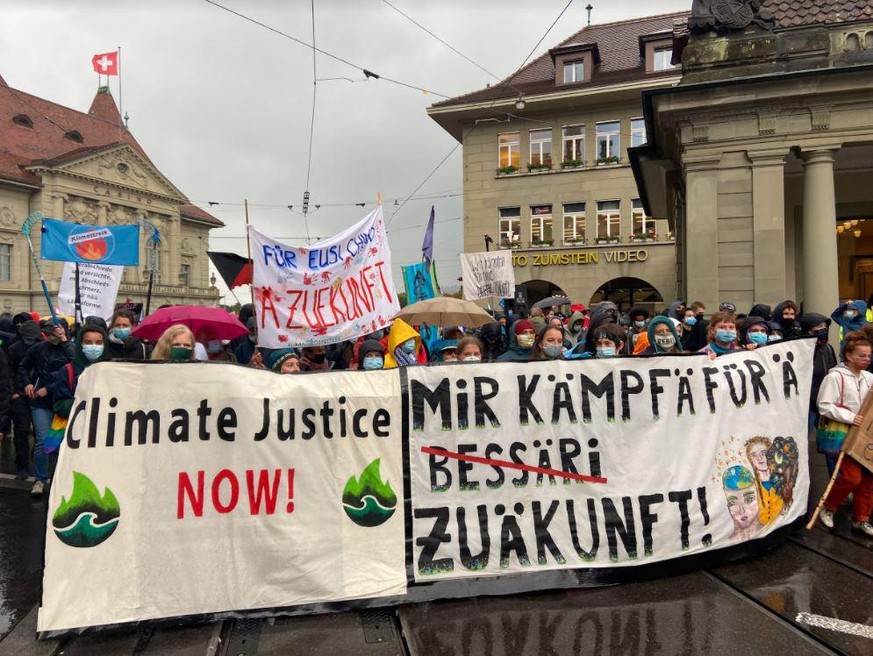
[(102, 212), (701, 231), (174, 228), (821, 285), (768, 224)]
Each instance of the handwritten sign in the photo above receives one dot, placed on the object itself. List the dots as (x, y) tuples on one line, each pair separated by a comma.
[(334, 290), (487, 274)]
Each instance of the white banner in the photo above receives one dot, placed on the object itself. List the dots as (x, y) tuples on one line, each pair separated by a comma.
[(98, 287), (241, 489), (488, 274), (604, 463), (329, 292)]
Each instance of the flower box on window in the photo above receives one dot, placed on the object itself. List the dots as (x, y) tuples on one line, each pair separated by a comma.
[(649, 235), (541, 243), (573, 164), (575, 241), (606, 161), (533, 168), (607, 240), (507, 170), (507, 243)]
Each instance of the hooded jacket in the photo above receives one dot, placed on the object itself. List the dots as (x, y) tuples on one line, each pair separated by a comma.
[(603, 312), (579, 335), (38, 368), (62, 389), (673, 312), (789, 328), (653, 348), (761, 310), (823, 357), (515, 352), (400, 332), (494, 340), (855, 323)]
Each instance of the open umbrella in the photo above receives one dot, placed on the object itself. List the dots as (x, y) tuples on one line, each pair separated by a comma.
[(196, 317), (445, 311), (552, 301)]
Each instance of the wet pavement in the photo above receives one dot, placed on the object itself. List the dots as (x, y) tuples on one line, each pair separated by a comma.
[(778, 603)]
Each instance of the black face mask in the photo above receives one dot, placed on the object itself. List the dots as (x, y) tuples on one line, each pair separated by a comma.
[(318, 358)]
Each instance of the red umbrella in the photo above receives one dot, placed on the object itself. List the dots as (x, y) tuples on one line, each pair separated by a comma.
[(196, 317)]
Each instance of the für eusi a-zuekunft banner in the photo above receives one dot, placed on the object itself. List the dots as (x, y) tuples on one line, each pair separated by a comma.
[(280, 491), (88, 244), (331, 291)]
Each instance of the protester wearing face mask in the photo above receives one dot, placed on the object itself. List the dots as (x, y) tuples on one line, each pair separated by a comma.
[(19, 405), (444, 350), (403, 347), (521, 344), (470, 349), (215, 350), (785, 314), (120, 343), (36, 372), (575, 330), (372, 355), (549, 344), (639, 318), (284, 361), (754, 332), (722, 335), (608, 341), (662, 337), (493, 340), (314, 358), (247, 345), (823, 356), (175, 345), (850, 316)]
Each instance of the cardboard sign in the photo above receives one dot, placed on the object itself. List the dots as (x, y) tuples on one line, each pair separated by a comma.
[(859, 440)]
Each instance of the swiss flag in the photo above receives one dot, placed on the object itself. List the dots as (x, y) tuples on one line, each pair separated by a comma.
[(106, 64)]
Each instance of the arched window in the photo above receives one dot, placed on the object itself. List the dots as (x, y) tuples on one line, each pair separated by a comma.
[(23, 120), (75, 135)]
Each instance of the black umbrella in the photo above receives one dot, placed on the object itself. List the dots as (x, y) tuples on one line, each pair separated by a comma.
[(551, 301)]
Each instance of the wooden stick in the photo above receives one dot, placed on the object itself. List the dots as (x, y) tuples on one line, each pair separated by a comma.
[(826, 492)]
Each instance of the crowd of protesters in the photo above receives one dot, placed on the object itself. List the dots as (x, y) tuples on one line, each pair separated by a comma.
[(41, 361)]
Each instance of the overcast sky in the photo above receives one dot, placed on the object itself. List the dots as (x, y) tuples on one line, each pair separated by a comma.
[(223, 106)]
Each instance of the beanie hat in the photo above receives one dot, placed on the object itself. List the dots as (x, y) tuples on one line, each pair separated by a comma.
[(279, 356), (522, 325), (727, 306), (369, 346), (29, 332)]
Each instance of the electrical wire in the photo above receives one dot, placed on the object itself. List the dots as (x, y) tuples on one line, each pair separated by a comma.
[(311, 128), (367, 73)]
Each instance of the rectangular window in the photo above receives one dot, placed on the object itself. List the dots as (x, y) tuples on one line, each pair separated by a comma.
[(541, 147), (608, 219), (574, 71), (644, 226), (541, 225), (638, 132), (509, 226), (662, 59), (509, 151), (573, 137), (5, 262), (608, 142), (574, 223), (185, 275)]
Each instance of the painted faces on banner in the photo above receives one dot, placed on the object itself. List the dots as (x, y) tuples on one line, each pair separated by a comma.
[(329, 292)]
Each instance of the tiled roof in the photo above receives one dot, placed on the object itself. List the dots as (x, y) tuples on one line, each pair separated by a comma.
[(619, 52), (793, 13), (48, 137), (194, 212)]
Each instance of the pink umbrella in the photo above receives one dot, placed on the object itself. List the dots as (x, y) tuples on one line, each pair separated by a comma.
[(196, 317)]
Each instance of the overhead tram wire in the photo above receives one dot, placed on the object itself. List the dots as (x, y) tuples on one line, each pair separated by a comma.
[(367, 73), (505, 83), (311, 130)]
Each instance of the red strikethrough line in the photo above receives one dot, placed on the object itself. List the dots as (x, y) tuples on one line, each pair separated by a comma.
[(511, 465)]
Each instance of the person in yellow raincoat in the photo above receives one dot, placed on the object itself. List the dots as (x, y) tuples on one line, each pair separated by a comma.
[(404, 346), (770, 501)]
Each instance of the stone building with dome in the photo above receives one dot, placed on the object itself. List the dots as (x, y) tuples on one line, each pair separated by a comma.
[(87, 167)]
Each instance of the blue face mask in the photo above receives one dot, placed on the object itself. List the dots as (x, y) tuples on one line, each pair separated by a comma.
[(691, 321), (774, 338), (606, 352), (121, 333), (725, 336), (92, 352), (372, 363), (408, 346), (758, 338)]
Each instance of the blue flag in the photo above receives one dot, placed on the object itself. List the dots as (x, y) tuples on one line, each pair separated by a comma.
[(418, 282), (86, 244), (427, 244)]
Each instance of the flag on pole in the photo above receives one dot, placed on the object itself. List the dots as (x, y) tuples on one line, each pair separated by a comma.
[(427, 245), (234, 269), (87, 244), (105, 63)]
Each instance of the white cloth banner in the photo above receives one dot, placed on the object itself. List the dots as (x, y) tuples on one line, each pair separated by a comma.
[(488, 275), (239, 489), (98, 287), (329, 292), (677, 455)]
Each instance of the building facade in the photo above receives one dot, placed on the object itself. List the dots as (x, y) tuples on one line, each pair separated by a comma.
[(762, 158), (547, 174), (88, 168)]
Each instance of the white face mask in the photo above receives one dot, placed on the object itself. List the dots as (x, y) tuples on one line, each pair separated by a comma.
[(471, 358), (526, 341), (665, 341)]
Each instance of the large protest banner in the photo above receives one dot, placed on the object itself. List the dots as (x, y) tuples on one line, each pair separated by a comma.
[(241, 489), (487, 275), (334, 290), (98, 286), (603, 463), (248, 490)]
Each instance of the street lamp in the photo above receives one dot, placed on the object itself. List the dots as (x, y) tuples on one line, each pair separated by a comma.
[(488, 242)]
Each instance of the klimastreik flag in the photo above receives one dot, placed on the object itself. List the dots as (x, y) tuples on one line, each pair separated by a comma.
[(87, 244)]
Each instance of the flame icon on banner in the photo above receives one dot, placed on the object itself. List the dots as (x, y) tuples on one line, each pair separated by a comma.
[(87, 519), (368, 500)]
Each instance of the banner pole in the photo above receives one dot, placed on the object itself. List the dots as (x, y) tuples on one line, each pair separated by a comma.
[(249, 245), (78, 300), (120, 101), (826, 492), (152, 264)]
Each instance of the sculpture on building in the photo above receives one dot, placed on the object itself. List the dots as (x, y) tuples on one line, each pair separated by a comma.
[(723, 16)]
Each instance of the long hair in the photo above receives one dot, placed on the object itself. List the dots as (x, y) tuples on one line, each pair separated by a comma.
[(538, 353), (165, 341)]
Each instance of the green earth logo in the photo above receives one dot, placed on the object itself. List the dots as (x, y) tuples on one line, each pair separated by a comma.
[(369, 501), (87, 519)]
